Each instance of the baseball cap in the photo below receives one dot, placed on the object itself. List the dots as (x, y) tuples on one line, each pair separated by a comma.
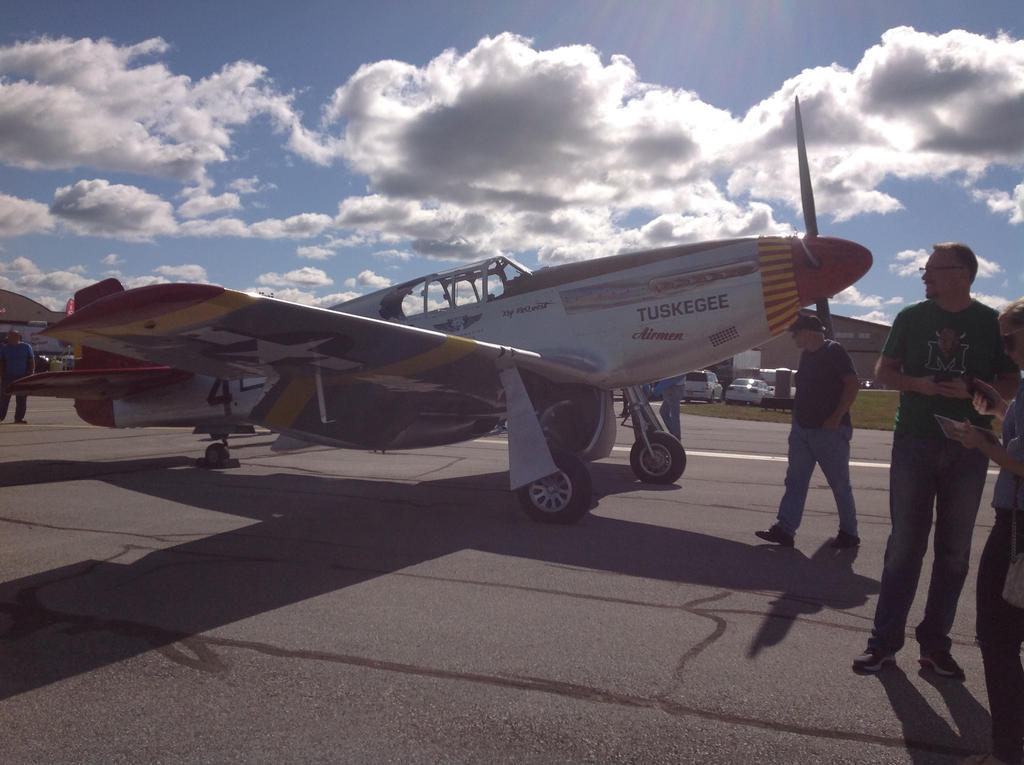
[(807, 321)]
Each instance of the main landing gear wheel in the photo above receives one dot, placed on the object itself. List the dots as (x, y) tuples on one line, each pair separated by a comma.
[(562, 497), (663, 462)]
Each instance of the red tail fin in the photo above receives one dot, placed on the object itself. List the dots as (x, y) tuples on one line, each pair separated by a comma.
[(99, 411), (93, 358)]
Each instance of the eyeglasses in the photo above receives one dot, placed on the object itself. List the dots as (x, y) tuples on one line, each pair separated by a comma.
[(928, 269), (1009, 341)]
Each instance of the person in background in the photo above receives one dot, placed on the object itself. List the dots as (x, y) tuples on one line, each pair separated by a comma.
[(670, 394), (16, 361), (1000, 625), (932, 350), (826, 387)]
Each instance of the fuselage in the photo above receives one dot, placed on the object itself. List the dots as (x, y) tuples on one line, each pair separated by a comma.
[(630, 319)]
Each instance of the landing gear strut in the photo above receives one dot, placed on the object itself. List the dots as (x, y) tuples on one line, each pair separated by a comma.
[(656, 456)]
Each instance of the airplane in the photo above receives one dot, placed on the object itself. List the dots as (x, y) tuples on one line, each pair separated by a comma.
[(448, 357)]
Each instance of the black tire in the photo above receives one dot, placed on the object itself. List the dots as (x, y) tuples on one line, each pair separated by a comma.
[(217, 456), (664, 462), (562, 497)]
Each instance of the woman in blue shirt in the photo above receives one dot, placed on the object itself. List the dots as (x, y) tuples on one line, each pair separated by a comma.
[(1001, 625)]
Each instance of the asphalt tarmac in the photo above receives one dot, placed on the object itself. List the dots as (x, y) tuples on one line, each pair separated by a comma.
[(353, 607)]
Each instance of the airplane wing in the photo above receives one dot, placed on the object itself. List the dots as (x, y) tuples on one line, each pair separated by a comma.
[(97, 384), (332, 377), (227, 334)]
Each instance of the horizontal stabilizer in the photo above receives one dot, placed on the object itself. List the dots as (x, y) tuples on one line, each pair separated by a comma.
[(97, 384)]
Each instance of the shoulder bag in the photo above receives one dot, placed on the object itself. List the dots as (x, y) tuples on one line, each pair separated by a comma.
[(1013, 588)]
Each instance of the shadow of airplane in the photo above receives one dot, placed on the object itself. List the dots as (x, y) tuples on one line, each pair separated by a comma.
[(313, 535)]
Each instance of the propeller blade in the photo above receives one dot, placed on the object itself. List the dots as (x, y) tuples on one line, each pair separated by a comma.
[(825, 314), (806, 193), (810, 217)]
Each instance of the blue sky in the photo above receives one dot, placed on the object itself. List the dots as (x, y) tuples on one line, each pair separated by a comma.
[(320, 150)]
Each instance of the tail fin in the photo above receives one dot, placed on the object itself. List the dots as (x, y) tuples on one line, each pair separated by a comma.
[(98, 411), (93, 358)]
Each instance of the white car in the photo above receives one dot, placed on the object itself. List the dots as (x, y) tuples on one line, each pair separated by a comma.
[(746, 390), (701, 386)]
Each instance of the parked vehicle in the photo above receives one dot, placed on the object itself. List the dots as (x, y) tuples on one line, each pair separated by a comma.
[(702, 386), (747, 391)]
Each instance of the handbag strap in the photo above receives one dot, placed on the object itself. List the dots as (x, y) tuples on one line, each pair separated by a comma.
[(1013, 516)]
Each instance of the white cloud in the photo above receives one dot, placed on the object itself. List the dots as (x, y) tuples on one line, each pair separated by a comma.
[(909, 262), (20, 265), (189, 272), (112, 260), (994, 301), (315, 252), (131, 282), (368, 278), (393, 254), (852, 296), (455, 170), (25, 277), (300, 277), (22, 216), (251, 185), (294, 295), (878, 317), (987, 269), (297, 226), (100, 208), (200, 204), (115, 108)]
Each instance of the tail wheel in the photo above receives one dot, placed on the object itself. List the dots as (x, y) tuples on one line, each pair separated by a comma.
[(217, 456), (562, 497), (663, 462)]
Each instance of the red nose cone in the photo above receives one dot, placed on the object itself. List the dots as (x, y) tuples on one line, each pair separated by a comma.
[(833, 266)]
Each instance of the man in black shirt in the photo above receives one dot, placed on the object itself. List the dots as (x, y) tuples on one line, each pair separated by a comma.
[(826, 386)]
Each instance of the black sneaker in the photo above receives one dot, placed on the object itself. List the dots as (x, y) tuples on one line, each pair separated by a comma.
[(844, 541), (776, 535), (873, 660), (942, 664)]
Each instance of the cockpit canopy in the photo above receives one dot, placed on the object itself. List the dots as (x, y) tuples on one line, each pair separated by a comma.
[(466, 285)]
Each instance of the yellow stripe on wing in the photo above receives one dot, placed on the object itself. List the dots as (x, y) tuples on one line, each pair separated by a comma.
[(299, 391), (291, 402), (197, 313), (452, 349)]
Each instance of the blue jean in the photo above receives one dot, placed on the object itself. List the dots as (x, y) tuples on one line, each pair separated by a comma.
[(20, 402), (831, 450), (927, 474), (670, 410)]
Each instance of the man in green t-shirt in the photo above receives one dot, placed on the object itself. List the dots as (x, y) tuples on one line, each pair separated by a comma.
[(934, 349)]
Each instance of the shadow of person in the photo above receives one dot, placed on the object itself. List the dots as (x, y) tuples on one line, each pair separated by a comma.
[(832, 570), (970, 716), (924, 730), (312, 534)]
